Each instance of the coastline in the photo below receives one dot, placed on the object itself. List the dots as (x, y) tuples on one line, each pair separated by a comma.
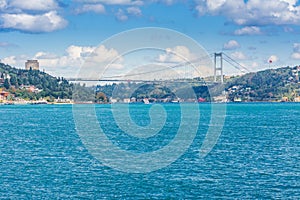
[(90, 103)]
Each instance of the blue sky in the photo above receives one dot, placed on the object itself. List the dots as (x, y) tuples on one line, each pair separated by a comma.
[(60, 33)]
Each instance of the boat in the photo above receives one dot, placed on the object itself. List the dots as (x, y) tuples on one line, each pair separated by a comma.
[(146, 101)]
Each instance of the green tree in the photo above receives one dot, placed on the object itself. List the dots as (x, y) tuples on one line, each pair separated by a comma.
[(13, 81), (6, 84)]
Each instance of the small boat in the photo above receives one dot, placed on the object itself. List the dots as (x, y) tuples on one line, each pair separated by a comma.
[(146, 101), (9, 103), (38, 102)]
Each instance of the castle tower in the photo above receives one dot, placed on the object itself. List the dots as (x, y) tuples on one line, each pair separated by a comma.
[(33, 64)]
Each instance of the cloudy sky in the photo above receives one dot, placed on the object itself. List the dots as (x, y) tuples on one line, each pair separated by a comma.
[(60, 33)]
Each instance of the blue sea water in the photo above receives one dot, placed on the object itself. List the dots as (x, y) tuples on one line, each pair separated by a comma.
[(257, 155)]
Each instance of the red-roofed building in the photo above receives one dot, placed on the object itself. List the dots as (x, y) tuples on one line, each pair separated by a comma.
[(4, 95)]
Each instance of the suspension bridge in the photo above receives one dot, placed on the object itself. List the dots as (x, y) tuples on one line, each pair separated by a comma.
[(182, 72)]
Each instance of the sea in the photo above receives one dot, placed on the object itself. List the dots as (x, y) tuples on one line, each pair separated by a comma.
[(254, 153)]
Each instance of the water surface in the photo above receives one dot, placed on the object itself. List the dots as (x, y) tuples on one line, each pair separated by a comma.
[(257, 155)]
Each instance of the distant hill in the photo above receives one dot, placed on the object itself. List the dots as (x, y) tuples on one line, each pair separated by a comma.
[(18, 82), (267, 85)]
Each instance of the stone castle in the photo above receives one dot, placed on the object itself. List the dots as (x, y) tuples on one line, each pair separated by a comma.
[(33, 64)]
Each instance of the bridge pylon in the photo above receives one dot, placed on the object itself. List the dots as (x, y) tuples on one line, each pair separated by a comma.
[(218, 67)]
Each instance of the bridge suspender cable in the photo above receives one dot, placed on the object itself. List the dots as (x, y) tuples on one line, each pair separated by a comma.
[(217, 68), (234, 63)]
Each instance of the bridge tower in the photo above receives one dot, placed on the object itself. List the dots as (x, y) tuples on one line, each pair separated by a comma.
[(218, 68)]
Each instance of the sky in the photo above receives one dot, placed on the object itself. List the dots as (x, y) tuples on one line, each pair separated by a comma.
[(61, 33)]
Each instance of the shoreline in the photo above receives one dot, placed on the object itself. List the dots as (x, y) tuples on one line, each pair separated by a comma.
[(86, 103)]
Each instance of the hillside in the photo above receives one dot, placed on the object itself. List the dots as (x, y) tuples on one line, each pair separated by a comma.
[(33, 84), (267, 85)]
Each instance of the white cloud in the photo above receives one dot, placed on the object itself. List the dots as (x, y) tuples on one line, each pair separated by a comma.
[(296, 55), (254, 65), (168, 2), (101, 61), (114, 2), (47, 60), (253, 12), (126, 9), (128, 2), (74, 57), (248, 30), (15, 61), (3, 4), (121, 16), (176, 54), (135, 11), (47, 22), (296, 51), (40, 5), (231, 45), (34, 16), (103, 54), (296, 47), (45, 55), (96, 8), (11, 60), (238, 55), (79, 51), (92, 59)]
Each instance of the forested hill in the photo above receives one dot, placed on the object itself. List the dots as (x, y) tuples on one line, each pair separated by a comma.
[(271, 84), (16, 80), (267, 85)]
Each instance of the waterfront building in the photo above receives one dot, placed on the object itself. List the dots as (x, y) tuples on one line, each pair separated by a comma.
[(4, 95), (126, 100)]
